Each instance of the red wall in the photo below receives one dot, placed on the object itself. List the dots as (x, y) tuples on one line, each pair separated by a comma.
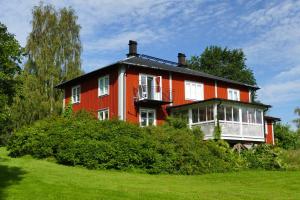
[(89, 99), (178, 91), (132, 82), (222, 91), (269, 131)]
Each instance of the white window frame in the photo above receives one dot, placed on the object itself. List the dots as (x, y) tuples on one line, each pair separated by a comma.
[(100, 92), (156, 95), (266, 128), (102, 112), (147, 110), (188, 91), (76, 97), (233, 91)]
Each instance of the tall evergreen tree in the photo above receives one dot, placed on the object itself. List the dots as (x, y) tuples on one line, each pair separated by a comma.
[(54, 49)]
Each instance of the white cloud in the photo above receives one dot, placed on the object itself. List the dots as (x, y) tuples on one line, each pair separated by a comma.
[(290, 74), (280, 92)]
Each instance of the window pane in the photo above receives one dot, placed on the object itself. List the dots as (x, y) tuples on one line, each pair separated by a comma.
[(193, 91), (230, 95), (183, 114), (210, 113), (202, 114), (258, 117), (251, 115), (151, 118), (221, 112), (187, 90), (228, 113), (236, 116), (143, 118), (244, 115), (198, 91), (195, 115), (106, 114), (100, 115)]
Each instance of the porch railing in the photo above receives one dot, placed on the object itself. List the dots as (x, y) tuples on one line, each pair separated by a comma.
[(144, 92)]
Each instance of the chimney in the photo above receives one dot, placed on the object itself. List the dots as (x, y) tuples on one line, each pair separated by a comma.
[(181, 60), (132, 48)]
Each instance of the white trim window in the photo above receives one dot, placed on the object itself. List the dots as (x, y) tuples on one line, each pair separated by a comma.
[(76, 94), (103, 114), (193, 91), (233, 94), (103, 85), (147, 117)]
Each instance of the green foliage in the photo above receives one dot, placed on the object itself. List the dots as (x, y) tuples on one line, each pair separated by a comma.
[(297, 121), (217, 132), (285, 137), (265, 157), (80, 139), (54, 50), (11, 55), (223, 62)]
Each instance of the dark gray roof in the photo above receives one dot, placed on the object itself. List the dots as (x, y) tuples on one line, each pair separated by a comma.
[(156, 63)]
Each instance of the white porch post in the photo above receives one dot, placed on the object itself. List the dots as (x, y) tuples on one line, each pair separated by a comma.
[(216, 114), (190, 118), (241, 122)]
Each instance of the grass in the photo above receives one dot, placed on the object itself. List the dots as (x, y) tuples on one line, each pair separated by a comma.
[(28, 178)]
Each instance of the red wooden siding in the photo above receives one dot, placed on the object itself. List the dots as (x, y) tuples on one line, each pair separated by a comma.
[(222, 91), (269, 132), (89, 99), (132, 82)]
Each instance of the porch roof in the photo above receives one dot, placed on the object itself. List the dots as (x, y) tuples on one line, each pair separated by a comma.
[(275, 119), (219, 101)]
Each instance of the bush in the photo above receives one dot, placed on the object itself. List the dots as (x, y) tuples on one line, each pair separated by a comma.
[(285, 137), (264, 156), (80, 139)]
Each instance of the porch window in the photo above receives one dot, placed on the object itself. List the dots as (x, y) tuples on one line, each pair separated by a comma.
[(193, 91), (251, 116), (233, 94), (103, 114), (147, 117), (183, 114), (244, 115), (202, 114), (228, 113), (76, 94), (103, 86), (258, 117)]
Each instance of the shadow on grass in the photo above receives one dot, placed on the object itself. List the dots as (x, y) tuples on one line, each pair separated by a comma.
[(9, 176)]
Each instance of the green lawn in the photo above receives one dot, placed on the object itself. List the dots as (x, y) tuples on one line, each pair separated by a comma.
[(27, 178)]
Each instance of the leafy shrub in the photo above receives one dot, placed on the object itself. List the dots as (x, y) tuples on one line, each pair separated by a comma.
[(80, 139), (285, 137), (265, 157)]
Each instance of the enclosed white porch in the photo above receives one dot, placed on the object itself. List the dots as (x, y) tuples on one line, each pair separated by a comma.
[(238, 121)]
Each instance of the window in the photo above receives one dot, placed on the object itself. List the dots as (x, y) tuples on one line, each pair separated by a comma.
[(76, 94), (233, 94), (103, 114), (221, 113), (202, 114), (228, 113), (103, 86), (258, 117), (244, 115), (147, 117), (193, 91), (182, 114), (150, 87)]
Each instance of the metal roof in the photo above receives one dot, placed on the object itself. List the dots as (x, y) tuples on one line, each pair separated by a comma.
[(161, 64)]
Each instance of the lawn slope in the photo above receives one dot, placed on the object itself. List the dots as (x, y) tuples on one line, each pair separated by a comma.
[(28, 178)]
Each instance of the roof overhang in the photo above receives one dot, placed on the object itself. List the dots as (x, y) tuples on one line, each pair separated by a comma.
[(219, 102), (274, 119)]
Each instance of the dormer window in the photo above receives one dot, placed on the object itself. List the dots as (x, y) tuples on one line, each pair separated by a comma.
[(103, 85), (233, 94)]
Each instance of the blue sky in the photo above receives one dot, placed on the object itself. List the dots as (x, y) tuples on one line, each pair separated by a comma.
[(267, 31)]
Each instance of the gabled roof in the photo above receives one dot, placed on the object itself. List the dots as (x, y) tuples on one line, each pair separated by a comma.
[(156, 63)]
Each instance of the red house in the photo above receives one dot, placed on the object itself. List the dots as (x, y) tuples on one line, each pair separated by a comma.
[(145, 90)]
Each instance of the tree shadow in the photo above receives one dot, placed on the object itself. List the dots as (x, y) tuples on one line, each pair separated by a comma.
[(9, 176)]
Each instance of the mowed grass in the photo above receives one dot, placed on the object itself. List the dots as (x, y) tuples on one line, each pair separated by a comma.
[(28, 178)]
